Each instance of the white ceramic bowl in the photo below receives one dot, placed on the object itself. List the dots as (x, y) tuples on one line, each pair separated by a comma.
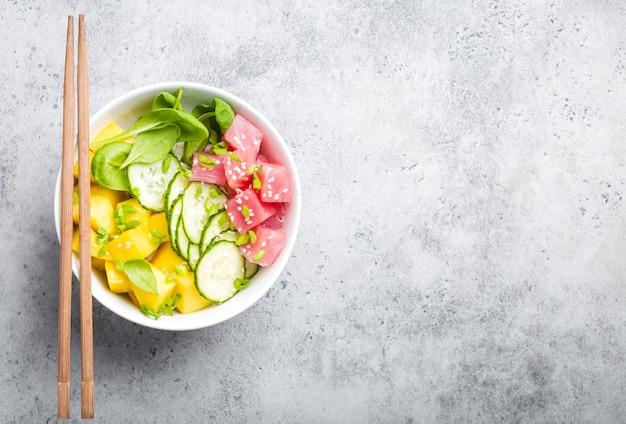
[(125, 110)]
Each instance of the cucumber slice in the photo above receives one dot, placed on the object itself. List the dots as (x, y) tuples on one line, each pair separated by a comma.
[(217, 270), (149, 181), (200, 202), (182, 241), (178, 150), (175, 188), (217, 224), (173, 217), (193, 255), (251, 269)]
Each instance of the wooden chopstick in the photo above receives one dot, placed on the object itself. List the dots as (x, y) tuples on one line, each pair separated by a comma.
[(84, 228), (67, 183)]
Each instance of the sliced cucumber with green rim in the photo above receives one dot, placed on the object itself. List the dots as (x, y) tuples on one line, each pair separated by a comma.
[(200, 202), (173, 217), (149, 181), (182, 241), (217, 224), (219, 271), (175, 188)]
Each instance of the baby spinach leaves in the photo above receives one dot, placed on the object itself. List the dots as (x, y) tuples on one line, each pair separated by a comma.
[(139, 272), (106, 166), (156, 133), (168, 100), (152, 146)]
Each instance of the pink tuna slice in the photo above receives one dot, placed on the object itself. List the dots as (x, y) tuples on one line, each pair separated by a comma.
[(246, 210), (236, 168), (276, 184), (208, 168), (269, 243), (242, 135)]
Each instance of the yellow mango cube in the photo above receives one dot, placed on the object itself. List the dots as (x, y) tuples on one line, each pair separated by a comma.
[(109, 131), (134, 299), (118, 281), (132, 210), (101, 214), (132, 244), (157, 223), (113, 196), (165, 289), (166, 259), (97, 257), (191, 300)]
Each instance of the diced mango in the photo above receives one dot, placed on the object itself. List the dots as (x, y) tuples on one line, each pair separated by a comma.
[(191, 300), (138, 212), (132, 244), (101, 208), (166, 259), (118, 281), (101, 214), (109, 131), (157, 223), (97, 259), (113, 196), (165, 289), (134, 298)]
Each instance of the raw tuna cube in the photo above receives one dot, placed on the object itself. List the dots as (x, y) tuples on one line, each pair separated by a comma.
[(236, 168), (268, 245), (208, 168), (276, 185), (246, 210), (242, 135)]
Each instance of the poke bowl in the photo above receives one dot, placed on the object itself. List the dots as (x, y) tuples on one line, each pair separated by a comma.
[(194, 188)]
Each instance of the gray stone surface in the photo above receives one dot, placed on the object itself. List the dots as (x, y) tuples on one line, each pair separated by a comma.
[(461, 254)]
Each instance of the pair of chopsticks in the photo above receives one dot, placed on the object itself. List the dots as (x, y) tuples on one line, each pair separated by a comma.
[(70, 98)]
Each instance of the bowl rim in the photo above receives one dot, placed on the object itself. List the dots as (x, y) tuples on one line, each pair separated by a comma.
[(245, 299)]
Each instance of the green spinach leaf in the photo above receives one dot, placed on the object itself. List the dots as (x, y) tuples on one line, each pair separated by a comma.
[(224, 114), (106, 166), (154, 145), (168, 100), (140, 274)]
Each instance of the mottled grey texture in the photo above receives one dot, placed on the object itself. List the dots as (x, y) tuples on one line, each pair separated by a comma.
[(461, 254)]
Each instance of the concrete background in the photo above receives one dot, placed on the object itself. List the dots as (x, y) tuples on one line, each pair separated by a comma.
[(461, 254)]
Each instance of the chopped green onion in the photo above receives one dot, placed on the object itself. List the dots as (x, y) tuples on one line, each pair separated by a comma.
[(165, 165), (119, 265), (185, 172), (259, 255), (234, 157), (198, 192), (241, 283), (206, 161), (103, 249), (256, 182), (132, 224), (75, 198), (156, 233), (214, 193), (245, 211), (103, 235), (180, 269), (252, 236), (211, 208), (128, 208), (148, 310), (243, 239), (170, 277)]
